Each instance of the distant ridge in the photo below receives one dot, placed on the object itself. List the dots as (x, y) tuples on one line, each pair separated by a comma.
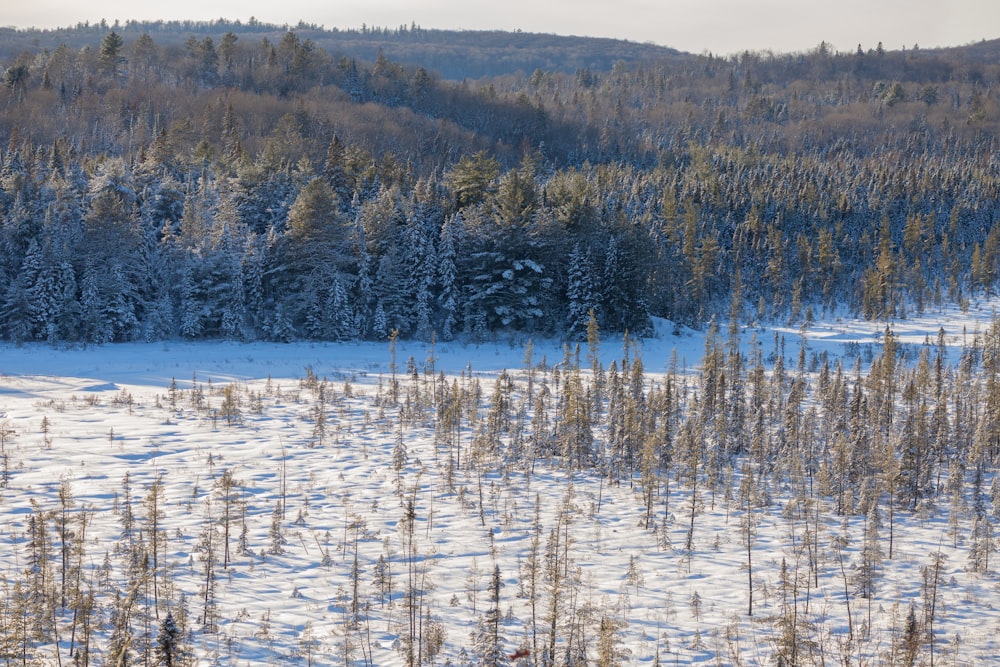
[(453, 54), (985, 50)]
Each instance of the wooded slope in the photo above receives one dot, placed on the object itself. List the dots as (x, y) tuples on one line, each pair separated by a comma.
[(199, 180)]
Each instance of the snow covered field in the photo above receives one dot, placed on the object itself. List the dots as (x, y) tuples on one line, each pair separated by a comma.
[(365, 518)]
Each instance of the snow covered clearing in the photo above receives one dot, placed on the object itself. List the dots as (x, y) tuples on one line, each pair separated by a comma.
[(313, 507)]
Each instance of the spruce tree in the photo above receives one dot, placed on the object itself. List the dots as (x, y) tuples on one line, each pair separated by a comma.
[(487, 642), (111, 59), (581, 293)]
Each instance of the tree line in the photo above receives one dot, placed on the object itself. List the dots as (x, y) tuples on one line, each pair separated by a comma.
[(453, 54)]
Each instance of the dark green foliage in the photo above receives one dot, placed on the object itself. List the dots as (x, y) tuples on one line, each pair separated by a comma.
[(168, 642), (319, 195), (111, 57)]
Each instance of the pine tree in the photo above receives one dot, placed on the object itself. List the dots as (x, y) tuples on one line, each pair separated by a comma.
[(254, 267), (38, 573), (15, 638), (448, 293), (315, 251), (394, 306), (870, 558), (980, 544), (208, 546), (487, 642), (420, 264), (556, 569), (575, 428), (278, 539), (157, 538), (609, 652), (581, 293), (67, 542), (473, 179), (18, 309), (121, 650), (127, 519), (50, 293), (335, 173), (909, 642), (362, 290), (234, 313), (111, 59), (225, 489), (168, 642)]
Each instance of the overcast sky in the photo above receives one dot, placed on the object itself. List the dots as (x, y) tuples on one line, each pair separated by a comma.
[(720, 26)]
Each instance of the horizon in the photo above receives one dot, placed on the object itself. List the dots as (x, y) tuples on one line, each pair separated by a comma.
[(722, 27)]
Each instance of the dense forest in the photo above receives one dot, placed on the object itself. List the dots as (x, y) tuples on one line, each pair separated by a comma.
[(260, 182), (456, 55)]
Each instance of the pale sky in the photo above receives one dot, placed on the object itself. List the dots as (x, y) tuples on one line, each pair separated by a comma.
[(722, 27)]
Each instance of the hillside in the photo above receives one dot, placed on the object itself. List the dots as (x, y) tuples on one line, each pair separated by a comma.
[(176, 184), (451, 54)]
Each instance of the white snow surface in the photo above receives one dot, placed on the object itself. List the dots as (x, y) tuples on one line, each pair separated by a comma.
[(95, 437)]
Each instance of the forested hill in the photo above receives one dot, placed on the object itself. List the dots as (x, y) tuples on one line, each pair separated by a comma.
[(203, 180), (451, 54)]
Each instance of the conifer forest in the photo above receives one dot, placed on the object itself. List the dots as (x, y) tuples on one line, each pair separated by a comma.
[(396, 347)]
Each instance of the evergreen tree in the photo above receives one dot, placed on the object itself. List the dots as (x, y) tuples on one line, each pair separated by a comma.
[(473, 179), (420, 261), (168, 642), (121, 650), (315, 251), (362, 291), (394, 306), (448, 293), (487, 641), (113, 265), (508, 285), (335, 173), (581, 293), (869, 563), (609, 652), (111, 58), (13, 624), (19, 310)]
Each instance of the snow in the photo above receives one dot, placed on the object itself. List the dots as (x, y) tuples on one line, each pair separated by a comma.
[(108, 414)]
